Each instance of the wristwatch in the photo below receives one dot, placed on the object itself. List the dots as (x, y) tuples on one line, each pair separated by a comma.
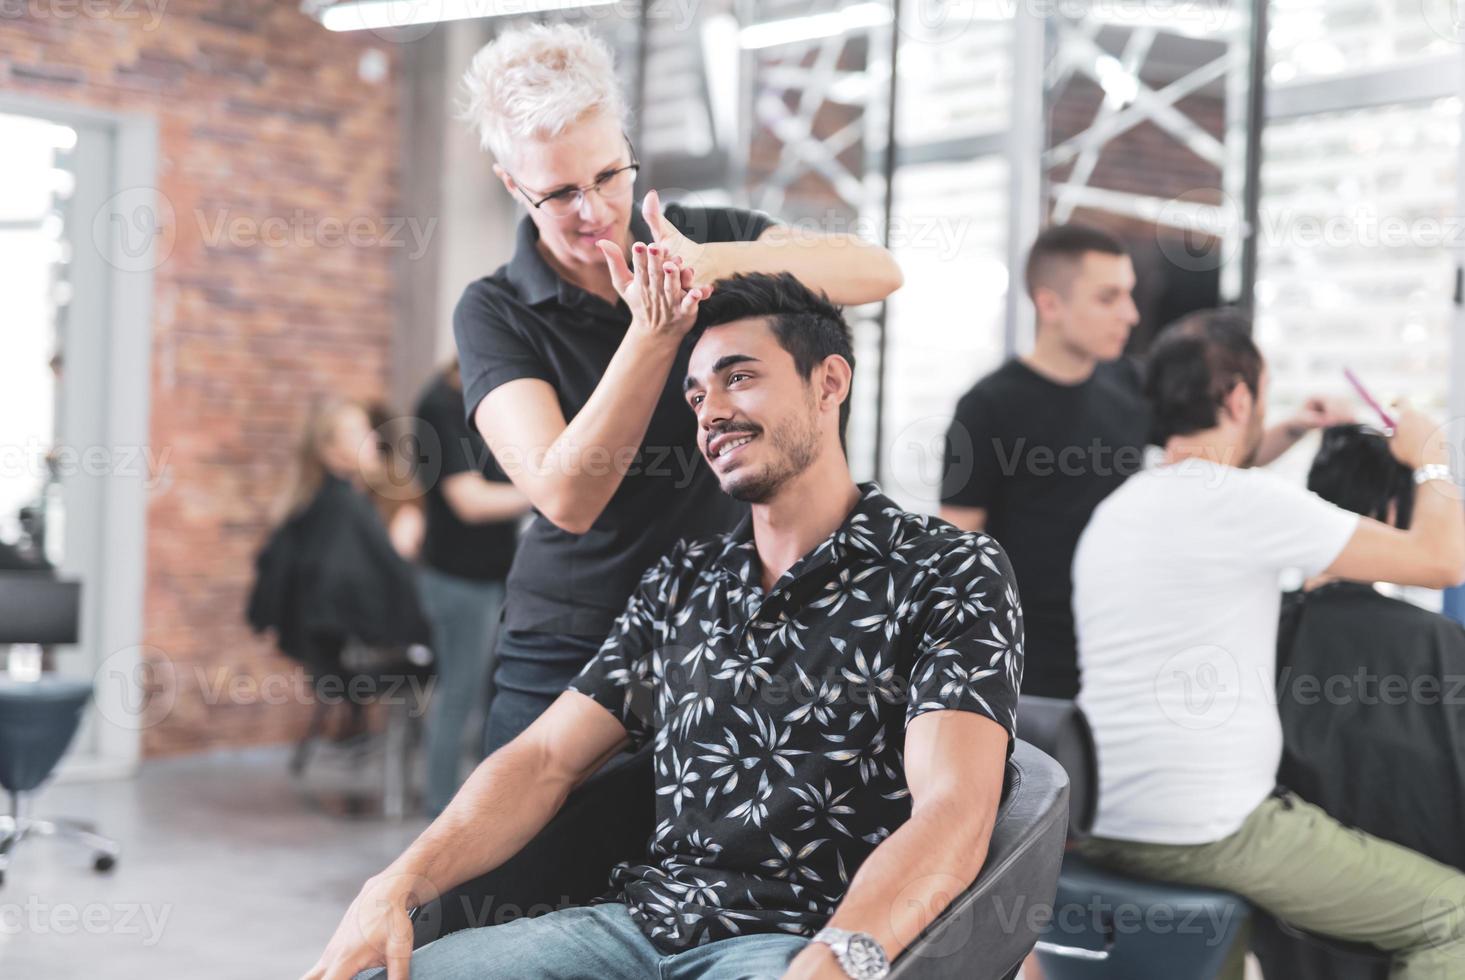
[(860, 954), (1433, 471)]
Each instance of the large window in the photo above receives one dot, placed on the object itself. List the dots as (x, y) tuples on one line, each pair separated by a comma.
[(944, 328), (34, 254), (1320, 38), (1354, 253)]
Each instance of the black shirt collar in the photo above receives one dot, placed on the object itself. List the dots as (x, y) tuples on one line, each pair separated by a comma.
[(872, 521), (535, 279)]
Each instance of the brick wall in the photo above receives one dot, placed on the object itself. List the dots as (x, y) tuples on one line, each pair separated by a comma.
[(262, 115)]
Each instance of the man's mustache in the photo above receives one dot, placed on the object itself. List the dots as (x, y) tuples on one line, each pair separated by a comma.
[(728, 429)]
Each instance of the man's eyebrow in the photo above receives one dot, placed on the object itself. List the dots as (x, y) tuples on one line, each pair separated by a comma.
[(722, 364)]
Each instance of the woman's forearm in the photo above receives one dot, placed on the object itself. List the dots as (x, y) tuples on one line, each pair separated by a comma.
[(570, 474), (847, 268)]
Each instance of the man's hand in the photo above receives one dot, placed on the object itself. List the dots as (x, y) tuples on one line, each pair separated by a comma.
[(1416, 440), (376, 931), (658, 288), (816, 961), (1319, 412)]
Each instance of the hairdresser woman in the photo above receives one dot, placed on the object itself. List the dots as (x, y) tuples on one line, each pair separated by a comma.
[(581, 406)]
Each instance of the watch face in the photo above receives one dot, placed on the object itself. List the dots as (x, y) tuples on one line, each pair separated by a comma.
[(866, 956)]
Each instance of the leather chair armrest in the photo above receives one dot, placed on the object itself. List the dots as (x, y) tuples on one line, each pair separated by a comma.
[(987, 931)]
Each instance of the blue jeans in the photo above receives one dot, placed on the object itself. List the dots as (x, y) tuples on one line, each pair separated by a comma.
[(464, 615), (598, 942), (533, 669)]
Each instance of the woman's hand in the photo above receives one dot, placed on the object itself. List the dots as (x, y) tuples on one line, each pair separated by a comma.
[(658, 289), (673, 243)]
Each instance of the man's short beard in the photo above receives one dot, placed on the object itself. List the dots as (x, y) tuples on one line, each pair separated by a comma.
[(798, 447)]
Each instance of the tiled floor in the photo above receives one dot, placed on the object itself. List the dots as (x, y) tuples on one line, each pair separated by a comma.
[(229, 871)]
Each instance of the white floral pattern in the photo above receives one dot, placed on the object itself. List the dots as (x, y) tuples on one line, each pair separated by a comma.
[(779, 719)]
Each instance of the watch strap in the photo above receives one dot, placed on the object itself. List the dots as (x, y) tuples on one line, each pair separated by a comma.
[(1433, 471)]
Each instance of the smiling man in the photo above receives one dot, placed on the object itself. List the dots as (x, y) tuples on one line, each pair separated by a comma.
[(830, 691)]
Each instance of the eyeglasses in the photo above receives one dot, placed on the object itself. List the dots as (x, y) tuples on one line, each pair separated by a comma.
[(568, 200)]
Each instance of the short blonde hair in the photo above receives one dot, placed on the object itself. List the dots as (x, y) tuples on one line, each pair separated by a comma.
[(534, 82)]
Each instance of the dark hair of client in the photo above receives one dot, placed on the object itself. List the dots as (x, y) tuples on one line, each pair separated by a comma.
[(1354, 469), (1057, 252), (1193, 367), (806, 323)]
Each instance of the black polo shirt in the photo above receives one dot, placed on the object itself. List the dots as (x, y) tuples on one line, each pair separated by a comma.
[(779, 719), (524, 321), (481, 552)]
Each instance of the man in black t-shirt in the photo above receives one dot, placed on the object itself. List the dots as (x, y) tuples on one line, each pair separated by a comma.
[(472, 511), (1038, 443)]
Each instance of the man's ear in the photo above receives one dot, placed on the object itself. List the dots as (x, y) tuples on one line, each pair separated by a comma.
[(835, 378), (1239, 402), (1047, 304)]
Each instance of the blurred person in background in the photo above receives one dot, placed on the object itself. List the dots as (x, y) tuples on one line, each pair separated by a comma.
[(574, 382), (328, 573), (472, 514), (1176, 602), (1373, 720), (391, 484), (1038, 443)]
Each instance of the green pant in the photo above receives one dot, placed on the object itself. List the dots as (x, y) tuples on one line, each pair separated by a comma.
[(1296, 862)]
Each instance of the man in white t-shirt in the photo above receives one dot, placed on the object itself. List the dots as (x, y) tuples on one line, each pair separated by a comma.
[(1176, 598)]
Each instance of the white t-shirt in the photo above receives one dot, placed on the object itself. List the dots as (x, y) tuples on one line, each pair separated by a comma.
[(1175, 599)]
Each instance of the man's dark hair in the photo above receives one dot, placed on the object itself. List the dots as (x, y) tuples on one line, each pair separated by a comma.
[(1058, 250), (1354, 469), (1193, 367), (806, 323)]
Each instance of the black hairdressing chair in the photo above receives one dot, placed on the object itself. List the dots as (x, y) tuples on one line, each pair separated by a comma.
[(39, 718), (984, 934), (1087, 939)]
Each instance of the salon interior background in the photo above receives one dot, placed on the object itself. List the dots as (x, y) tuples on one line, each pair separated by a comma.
[(214, 210)]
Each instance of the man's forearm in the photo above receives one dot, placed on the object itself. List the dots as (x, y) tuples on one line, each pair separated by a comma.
[(503, 805), (1276, 441), (913, 875), (1438, 520), (850, 270)]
